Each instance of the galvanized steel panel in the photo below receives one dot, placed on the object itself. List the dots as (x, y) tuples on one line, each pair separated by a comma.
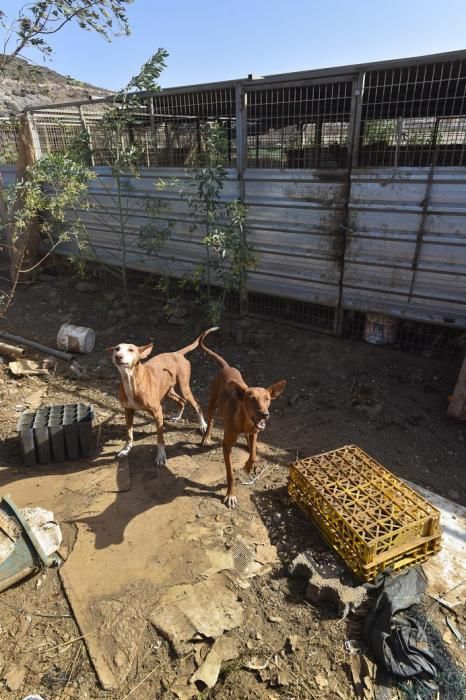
[(8, 175), (385, 212), (294, 222), (181, 252)]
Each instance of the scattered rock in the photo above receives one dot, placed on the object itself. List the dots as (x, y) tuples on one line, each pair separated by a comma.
[(275, 618), (453, 494), (294, 642), (175, 321), (133, 319), (321, 681), (86, 287), (14, 677), (224, 649), (179, 312)]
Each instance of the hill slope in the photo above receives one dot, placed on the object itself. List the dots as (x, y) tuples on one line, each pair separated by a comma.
[(23, 85)]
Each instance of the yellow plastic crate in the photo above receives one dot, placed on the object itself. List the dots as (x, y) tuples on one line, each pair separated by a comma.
[(371, 518)]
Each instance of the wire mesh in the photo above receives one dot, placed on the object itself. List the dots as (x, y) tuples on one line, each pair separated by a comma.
[(411, 113), (9, 133), (415, 337), (161, 130), (313, 315), (299, 127)]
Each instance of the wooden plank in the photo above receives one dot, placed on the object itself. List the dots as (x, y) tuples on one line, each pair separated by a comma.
[(457, 407), (10, 350)]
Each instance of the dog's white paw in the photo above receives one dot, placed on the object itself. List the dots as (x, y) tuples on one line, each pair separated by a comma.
[(126, 450), (230, 500), (202, 425), (175, 419), (160, 457)]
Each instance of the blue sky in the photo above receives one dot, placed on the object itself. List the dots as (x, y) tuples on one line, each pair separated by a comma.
[(211, 40)]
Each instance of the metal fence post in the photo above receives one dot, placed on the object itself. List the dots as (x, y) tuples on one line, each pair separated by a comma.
[(354, 133), (241, 165), (88, 132)]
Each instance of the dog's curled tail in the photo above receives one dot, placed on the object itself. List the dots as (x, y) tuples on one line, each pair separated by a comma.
[(198, 341), (210, 352)]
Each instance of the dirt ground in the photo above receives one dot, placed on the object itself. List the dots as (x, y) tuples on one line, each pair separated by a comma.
[(391, 404)]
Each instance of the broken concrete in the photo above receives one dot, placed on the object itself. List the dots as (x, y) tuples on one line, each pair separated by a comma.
[(224, 649), (188, 612), (320, 588)]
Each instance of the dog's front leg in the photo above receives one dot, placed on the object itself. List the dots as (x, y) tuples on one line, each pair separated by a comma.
[(230, 499), (129, 415), (161, 457), (252, 443)]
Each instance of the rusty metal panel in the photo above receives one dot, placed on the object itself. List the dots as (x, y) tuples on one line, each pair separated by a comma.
[(295, 223), (396, 262)]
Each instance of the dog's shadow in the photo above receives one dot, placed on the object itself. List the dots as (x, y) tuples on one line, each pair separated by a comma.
[(151, 486)]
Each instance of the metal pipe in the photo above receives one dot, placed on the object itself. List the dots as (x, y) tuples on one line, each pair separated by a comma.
[(37, 346)]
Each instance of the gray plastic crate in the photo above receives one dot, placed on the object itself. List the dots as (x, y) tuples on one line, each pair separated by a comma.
[(56, 433)]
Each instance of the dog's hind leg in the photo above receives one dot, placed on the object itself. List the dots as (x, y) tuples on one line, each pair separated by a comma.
[(181, 403), (210, 416), (129, 415), (187, 395)]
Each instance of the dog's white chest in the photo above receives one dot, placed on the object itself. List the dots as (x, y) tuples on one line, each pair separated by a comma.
[(127, 379)]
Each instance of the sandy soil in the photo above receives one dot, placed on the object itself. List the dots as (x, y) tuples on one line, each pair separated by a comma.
[(391, 404)]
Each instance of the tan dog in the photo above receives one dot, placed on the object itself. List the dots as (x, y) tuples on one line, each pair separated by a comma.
[(243, 410), (145, 385)]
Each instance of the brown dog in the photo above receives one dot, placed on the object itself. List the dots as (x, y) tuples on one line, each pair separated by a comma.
[(145, 385), (243, 409)]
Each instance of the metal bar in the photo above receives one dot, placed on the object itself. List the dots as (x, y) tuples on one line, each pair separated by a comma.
[(241, 106), (353, 144), (89, 135), (422, 223)]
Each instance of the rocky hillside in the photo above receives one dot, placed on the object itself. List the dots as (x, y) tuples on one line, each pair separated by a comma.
[(24, 85)]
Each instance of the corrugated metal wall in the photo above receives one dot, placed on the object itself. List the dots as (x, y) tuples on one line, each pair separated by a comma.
[(181, 252), (294, 222), (8, 175), (329, 229), (384, 229)]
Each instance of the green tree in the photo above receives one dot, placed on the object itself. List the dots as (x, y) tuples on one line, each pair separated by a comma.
[(37, 21)]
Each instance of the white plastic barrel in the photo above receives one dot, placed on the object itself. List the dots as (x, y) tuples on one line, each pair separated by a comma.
[(380, 329), (72, 338)]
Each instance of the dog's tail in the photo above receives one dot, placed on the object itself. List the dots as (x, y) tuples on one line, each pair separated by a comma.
[(219, 360), (198, 341)]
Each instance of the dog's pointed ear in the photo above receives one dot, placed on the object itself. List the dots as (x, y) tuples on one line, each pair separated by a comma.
[(276, 389), (145, 350), (238, 389), (109, 350)]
